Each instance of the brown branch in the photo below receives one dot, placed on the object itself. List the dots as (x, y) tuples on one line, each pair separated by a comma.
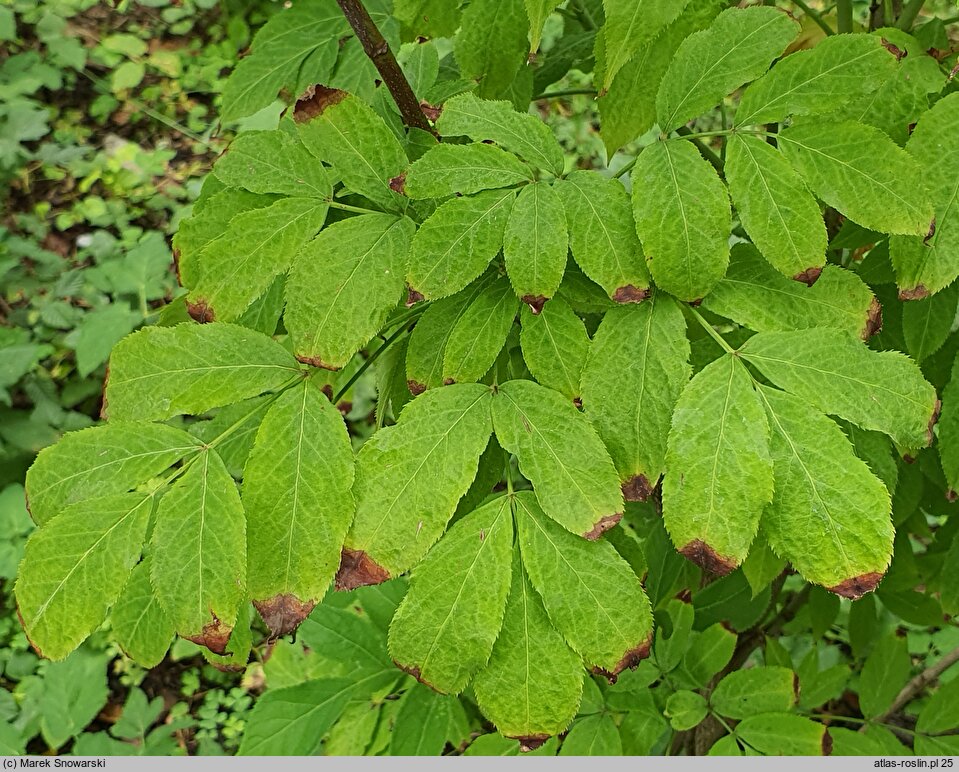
[(378, 51), (912, 689)]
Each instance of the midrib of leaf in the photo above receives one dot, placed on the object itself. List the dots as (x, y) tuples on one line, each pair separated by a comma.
[(641, 396), (812, 300), (203, 493), (471, 168), (266, 162), (536, 248), (927, 253), (525, 585), (145, 609), (559, 355), (255, 82), (720, 442), (613, 250), (356, 152), (296, 489), (374, 655), (485, 324), (531, 149), (682, 210), (207, 368)]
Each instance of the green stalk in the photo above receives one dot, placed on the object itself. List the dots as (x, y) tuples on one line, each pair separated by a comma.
[(909, 14), (813, 14), (844, 13)]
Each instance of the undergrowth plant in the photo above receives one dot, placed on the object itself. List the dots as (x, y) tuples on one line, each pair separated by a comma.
[(577, 371)]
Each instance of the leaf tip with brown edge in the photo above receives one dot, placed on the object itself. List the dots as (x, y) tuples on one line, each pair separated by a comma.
[(398, 184), (531, 742), (629, 293), (826, 742), (707, 558), (933, 420), (357, 569), (873, 320), (283, 613), (535, 303), (314, 101), (303, 359), (810, 276), (30, 640), (215, 636), (602, 525), (637, 488), (629, 660), (414, 670), (200, 311), (857, 586), (416, 388), (919, 292), (413, 297)]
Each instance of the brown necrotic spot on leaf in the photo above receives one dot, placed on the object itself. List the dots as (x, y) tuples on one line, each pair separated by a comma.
[(857, 586), (314, 101), (414, 671), (357, 569), (398, 184), (931, 232), (873, 320), (416, 388), (893, 49), (707, 558), (603, 525), (826, 743), (314, 362), (630, 294), (630, 660), (176, 264), (796, 686), (637, 488), (200, 311), (535, 303), (284, 612), (413, 297), (919, 292), (448, 381), (530, 742), (431, 111), (951, 496), (215, 636), (809, 276), (936, 410)]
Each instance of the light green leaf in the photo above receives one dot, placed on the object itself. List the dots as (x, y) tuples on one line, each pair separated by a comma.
[(350, 136), (235, 269), (343, 285), (948, 431), (862, 173), (444, 630), (590, 593), (491, 45), (128, 75), (102, 460), (555, 346), (745, 693), (482, 120), (784, 734), (685, 709), (199, 553), (273, 162), (140, 625), (346, 637), (755, 295), (710, 651), (927, 323), (296, 493), (73, 693), (561, 454), (429, 18), (602, 235), (736, 48), (830, 515), (160, 372), (456, 243), (818, 80), (926, 265), (479, 333), (682, 218), (718, 472), (98, 332), (776, 209), (532, 685), (884, 674), (884, 391), (409, 478), (422, 724), (941, 713), (762, 565), (538, 11), (636, 370), (75, 566), (629, 25), (595, 735), (449, 169), (535, 243)]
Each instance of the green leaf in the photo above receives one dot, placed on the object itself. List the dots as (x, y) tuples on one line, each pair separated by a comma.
[(762, 565), (758, 297), (736, 48), (685, 709), (296, 493), (532, 685), (482, 120), (349, 135), (456, 243), (776, 209), (927, 323), (273, 162), (98, 332), (480, 333), (560, 453), (199, 553), (948, 431), (422, 724), (429, 18), (449, 169), (884, 673), (535, 243), (348, 638), (128, 75), (710, 651), (862, 173), (555, 346), (73, 693), (884, 391), (926, 265), (141, 627), (602, 235), (818, 80), (75, 566), (409, 478), (537, 11), (102, 460), (745, 693), (629, 25), (444, 630), (784, 734), (682, 217), (160, 372), (718, 472), (636, 370), (593, 736), (590, 593), (830, 515), (491, 45), (343, 285), (941, 713), (235, 269)]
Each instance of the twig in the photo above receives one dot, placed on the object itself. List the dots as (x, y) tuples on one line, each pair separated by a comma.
[(912, 689), (816, 17), (564, 93), (378, 51)]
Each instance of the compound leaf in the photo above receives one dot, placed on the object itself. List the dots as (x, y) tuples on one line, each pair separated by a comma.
[(535, 243), (446, 170)]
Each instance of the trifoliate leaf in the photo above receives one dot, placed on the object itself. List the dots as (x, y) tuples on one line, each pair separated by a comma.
[(535, 244), (555, 347), (479, 333), (273, 162), (142, 628), (446, 170), (629, 25), (719, 475), (682, 218)]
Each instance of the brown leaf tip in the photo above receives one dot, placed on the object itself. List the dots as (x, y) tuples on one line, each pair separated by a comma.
[(314, 101), (531, 742), (535, 303), (919, 292), (707, 558), (933, 419), (873, 319), (431, 111), (416, 388), (603, 525), (200, 311), (857, 586), (631, 294), (413, 297), (931, 232), (951, 496), (414, 670), (637, 488), (215, 636), (629, 660), (808, 277), (357, 569), (893, 49), (398, 184), (826, 743), (283, 613), (303, 359)]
